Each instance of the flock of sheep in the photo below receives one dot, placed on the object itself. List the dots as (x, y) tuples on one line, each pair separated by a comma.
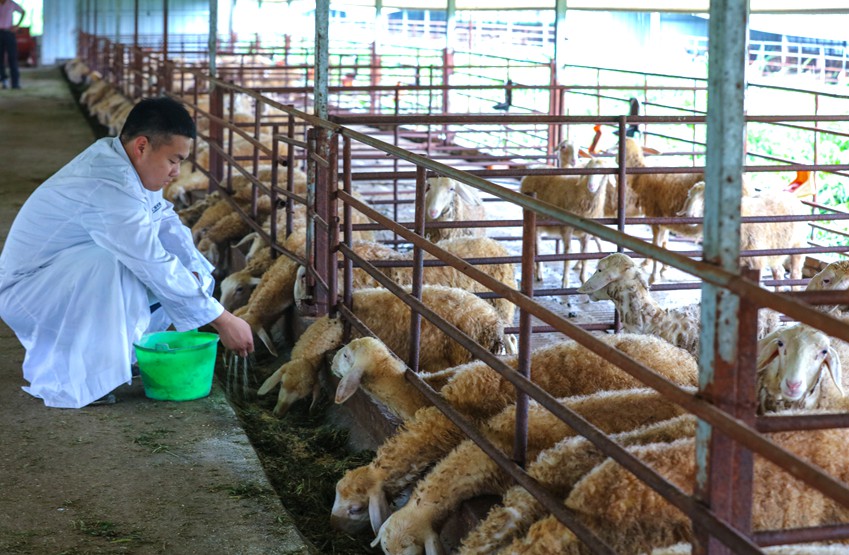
[(421, 474)]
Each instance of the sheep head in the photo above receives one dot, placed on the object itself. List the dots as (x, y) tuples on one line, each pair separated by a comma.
[(403, 534), (353, 361), (694, 206), (440, 193), (611, 268), (360, 501), (567, 154), (596, 181), (236, 290), (833, 277), (296, 379), (299, 291), (790, 365)]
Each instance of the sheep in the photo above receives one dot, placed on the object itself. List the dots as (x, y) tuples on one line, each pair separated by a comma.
[(631, 518), (388, 317), (558, 469), (192, 212), (762, 236), (295, 376), (478, 392), (462, 247), (661, 195), (468, 471), (835, 276), (273, 294), (384, 369), (448, 200), (797, 549), (617, 279), (790, 367), (582, 195)]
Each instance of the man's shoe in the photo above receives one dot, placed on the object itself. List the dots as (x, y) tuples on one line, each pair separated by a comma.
[(3, 84), (16, 86), (108, 399)]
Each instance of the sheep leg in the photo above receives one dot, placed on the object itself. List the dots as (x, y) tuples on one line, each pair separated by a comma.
[(566, 234), (537, 263), (660, 238), (796, 263)]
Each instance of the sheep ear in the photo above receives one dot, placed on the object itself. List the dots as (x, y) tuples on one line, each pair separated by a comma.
[(348, 384), (246, 239), (272, 381), (266, 340), (316, 395), (378, 511), (468, 194), (432, 544), (832, 360), (767, 350)]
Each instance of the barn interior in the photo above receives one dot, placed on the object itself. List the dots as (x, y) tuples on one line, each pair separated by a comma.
[(313, 142)]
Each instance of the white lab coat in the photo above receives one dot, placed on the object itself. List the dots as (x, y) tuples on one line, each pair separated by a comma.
[(89, 253)]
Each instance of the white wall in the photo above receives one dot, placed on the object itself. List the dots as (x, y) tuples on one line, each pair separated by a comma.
[(58, 42)]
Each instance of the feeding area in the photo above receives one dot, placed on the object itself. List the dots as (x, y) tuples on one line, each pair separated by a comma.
[(489, 300)]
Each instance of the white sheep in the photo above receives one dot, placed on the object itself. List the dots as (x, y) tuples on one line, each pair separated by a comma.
[(582, 195), (632, 518), (835, 276), (388, 317), (478, 392), (662, 195), (762, 236), (558, 469), (461, 247), (791, 365), (797, 549), (448, 200), (617, 279), (468, 471)]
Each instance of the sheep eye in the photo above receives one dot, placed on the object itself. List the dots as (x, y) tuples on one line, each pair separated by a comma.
[(824, 352), (826, 281), (780, 343), (356, 509)]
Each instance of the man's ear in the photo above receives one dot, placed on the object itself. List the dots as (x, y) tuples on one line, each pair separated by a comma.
[(138, 147)]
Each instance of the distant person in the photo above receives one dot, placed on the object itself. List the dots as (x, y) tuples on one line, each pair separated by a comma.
[(9, 42), (96, 257)]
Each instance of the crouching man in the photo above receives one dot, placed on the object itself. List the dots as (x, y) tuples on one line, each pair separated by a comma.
[(96, 257)]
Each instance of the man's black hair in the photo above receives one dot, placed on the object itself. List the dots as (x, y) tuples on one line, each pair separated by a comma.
[(158, 119)]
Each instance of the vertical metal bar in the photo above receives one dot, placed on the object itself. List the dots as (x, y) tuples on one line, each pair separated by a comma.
[(520, 437), (309, 248), (136, 25), (275, 183), (723, 177), (290, 175), (321, 200), (333, 222), (322, 25), (347, 169), (418, 271), (164, 30), (216, 137), (213, 37)]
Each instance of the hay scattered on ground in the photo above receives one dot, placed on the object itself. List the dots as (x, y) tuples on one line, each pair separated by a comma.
[(303, 457)]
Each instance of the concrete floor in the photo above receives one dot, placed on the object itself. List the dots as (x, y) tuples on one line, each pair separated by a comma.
[(139, 476)]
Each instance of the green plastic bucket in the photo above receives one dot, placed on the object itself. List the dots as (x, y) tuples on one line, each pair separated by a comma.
[(177, 365)]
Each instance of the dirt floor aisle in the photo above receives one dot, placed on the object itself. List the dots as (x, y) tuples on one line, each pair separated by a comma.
[(139, 476)]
